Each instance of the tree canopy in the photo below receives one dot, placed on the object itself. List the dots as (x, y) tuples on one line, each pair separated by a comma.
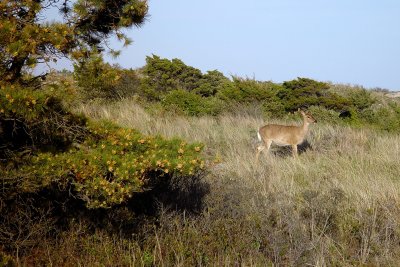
[(28, 39)]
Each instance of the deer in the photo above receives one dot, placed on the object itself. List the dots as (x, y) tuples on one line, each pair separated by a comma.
[(284, 135)]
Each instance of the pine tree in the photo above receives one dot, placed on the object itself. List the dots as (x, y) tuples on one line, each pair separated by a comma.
[(27, 38)]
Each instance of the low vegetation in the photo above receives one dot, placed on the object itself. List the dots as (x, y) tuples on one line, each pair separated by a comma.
[(57, 167), (156, 167), (181, 89), (105, 166), (336, 205)]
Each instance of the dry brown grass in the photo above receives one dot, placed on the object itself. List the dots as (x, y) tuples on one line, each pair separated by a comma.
[(364, 163), (337, 204)]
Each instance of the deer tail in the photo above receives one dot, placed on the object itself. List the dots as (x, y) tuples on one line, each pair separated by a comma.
[(259, 135)]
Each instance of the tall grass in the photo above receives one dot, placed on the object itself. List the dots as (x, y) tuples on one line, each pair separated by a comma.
[(337, 204), (362, 162)]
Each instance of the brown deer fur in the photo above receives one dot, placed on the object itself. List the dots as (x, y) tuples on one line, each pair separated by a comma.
[(284, 135)]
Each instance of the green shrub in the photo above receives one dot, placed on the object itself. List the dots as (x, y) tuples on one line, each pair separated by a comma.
[(35, 120), (248, 90), (273, 108), (244, 93), (211, 83), (385, 118), (192, 104), (304, 93), (149, 93), (361, 99), (162, 76), (55, 165), (352, 117), (110, 166), (98, 79), (128, 85), (357, 97), (324, 115), (97, 158)]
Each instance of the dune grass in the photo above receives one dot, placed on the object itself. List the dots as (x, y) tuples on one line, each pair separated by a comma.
[(362, 162), (337, 204)]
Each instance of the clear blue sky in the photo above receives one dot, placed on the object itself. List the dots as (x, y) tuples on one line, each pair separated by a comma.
[(342, 41)]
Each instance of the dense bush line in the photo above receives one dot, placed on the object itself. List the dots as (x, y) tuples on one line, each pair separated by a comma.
[(185, 89)]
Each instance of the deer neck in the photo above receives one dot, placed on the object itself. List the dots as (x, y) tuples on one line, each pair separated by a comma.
[(305, 125)]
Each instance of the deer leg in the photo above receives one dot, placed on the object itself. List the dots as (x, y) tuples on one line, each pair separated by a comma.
[(259, 150), (268, 144), (294, 151)]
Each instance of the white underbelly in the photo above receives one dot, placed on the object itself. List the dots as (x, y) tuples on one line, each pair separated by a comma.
[(280, 143)]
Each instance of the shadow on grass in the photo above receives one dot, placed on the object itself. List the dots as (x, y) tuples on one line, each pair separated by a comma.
[(286, 151), (182, 194), (27, 218)]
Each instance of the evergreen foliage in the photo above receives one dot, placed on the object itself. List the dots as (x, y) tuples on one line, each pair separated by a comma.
[(304, 92), (27, 40), (35, 120), (162, 76), (192, 104), (54, 164), (109, 167), (184, 89), (98, 79), (248, 90)]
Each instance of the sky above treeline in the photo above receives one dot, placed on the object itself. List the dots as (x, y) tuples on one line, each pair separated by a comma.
[(353, 42)]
